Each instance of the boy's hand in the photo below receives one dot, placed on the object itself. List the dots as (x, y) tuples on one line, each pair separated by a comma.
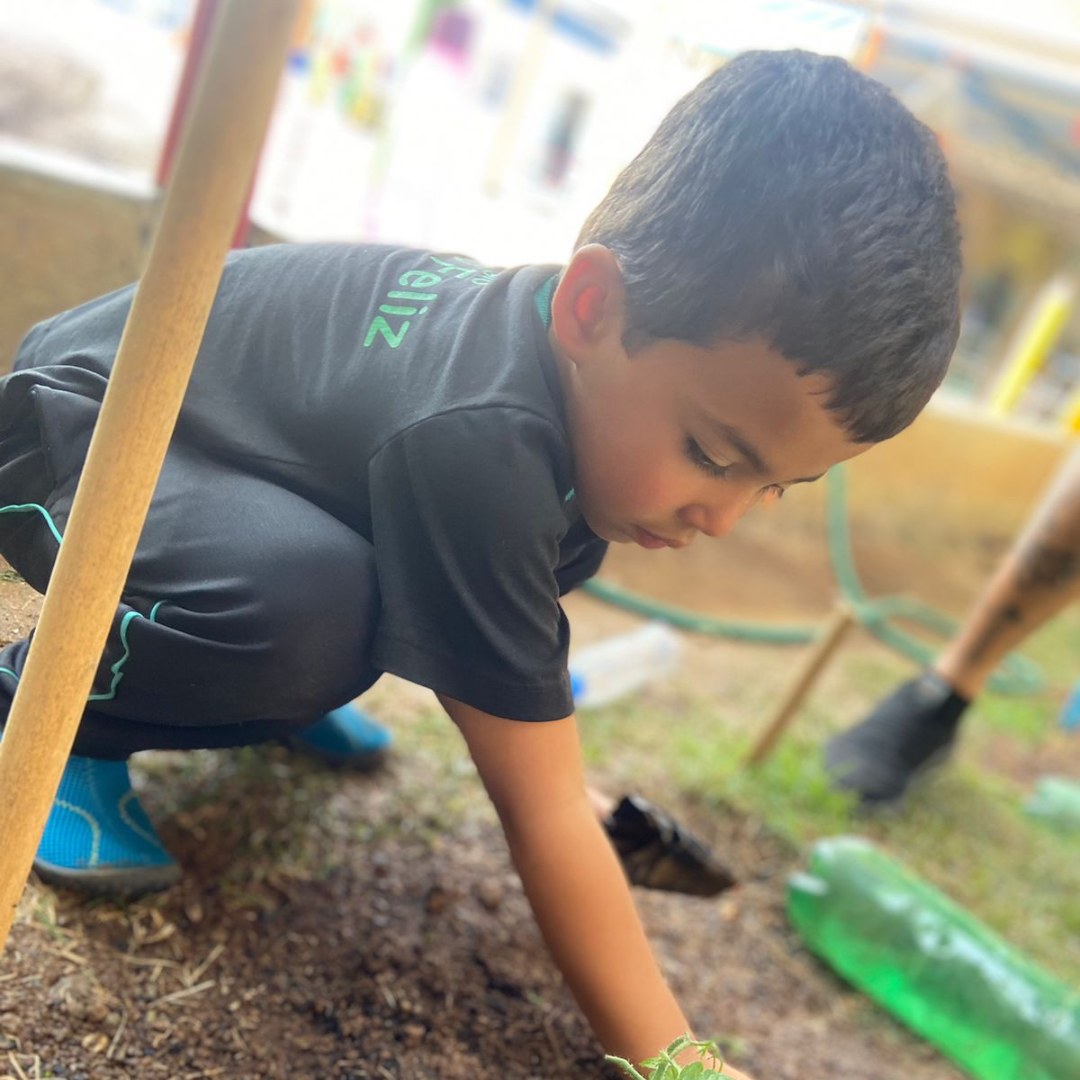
[(572, 877)]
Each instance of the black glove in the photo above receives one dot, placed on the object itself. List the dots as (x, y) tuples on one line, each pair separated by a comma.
[(658, 853)]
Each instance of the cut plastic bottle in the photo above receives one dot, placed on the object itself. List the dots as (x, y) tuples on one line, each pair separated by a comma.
[(620, 665), (934, 966)]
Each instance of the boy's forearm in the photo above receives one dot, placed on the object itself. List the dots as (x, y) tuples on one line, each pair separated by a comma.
[(583, 906)]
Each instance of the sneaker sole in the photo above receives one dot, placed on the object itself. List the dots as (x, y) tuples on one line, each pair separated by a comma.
[(110, 881)]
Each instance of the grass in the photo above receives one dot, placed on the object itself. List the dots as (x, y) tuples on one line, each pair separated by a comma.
[(964, 830)]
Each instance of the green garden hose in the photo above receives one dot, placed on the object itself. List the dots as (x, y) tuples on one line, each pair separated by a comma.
[(1015, 675)]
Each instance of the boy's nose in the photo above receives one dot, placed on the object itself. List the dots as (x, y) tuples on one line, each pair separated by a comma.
[(717, 518)]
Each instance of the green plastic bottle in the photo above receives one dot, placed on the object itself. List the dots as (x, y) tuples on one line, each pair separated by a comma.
[(934, 966)]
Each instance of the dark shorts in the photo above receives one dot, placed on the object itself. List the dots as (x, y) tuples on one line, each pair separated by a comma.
[(248, 612)]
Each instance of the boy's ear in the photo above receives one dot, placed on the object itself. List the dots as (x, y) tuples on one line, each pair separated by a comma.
[(587, 308)]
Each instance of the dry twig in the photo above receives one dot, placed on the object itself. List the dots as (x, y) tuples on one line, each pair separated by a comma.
[(178, 995), (215, 952), (116, 1035)]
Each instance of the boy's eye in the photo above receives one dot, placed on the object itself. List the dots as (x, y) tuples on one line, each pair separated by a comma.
[(697, 455), (702, 460)]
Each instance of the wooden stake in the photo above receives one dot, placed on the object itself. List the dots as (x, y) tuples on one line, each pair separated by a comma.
[(825, 644), (217, 158)]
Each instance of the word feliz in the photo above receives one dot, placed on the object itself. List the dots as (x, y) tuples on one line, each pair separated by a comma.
[(415, 281)]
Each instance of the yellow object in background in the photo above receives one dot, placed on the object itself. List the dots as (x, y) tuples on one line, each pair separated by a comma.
[(1038, 333), (321, 75), (1070, 415)]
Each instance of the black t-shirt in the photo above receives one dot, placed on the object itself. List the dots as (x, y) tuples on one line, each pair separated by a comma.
[(415, 397)]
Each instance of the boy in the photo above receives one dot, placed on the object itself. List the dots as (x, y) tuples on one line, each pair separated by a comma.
[(389, 460)]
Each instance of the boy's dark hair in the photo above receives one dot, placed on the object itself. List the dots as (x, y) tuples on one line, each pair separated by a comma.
[(789, 196)]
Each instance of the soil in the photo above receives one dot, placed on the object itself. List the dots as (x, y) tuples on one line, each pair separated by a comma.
[(408, 957), (333, 925)]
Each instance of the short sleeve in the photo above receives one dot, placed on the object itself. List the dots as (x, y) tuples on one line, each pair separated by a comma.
[(467, 519), (581, 554)]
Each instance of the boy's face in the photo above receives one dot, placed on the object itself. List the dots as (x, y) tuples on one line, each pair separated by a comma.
[(679, 439)]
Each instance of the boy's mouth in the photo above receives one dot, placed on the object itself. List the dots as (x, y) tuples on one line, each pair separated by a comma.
[(651, 541)]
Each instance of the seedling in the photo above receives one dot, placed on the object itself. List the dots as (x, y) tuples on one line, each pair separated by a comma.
[(665, 1067)]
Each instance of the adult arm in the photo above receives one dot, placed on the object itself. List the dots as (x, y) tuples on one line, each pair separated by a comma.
[(1038, 578)]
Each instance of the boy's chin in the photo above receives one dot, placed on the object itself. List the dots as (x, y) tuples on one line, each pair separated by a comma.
[(601, 527), (611, 533)]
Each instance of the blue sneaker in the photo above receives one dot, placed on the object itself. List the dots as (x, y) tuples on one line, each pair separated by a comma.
[(345, 736), (98, 837)]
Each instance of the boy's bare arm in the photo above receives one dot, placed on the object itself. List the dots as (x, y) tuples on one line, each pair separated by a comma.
[(572, 877)]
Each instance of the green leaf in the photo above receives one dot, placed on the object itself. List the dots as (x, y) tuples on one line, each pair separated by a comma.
[(664, 1066)]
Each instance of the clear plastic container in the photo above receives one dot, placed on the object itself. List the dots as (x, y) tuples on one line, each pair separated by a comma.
[(620, 665)]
